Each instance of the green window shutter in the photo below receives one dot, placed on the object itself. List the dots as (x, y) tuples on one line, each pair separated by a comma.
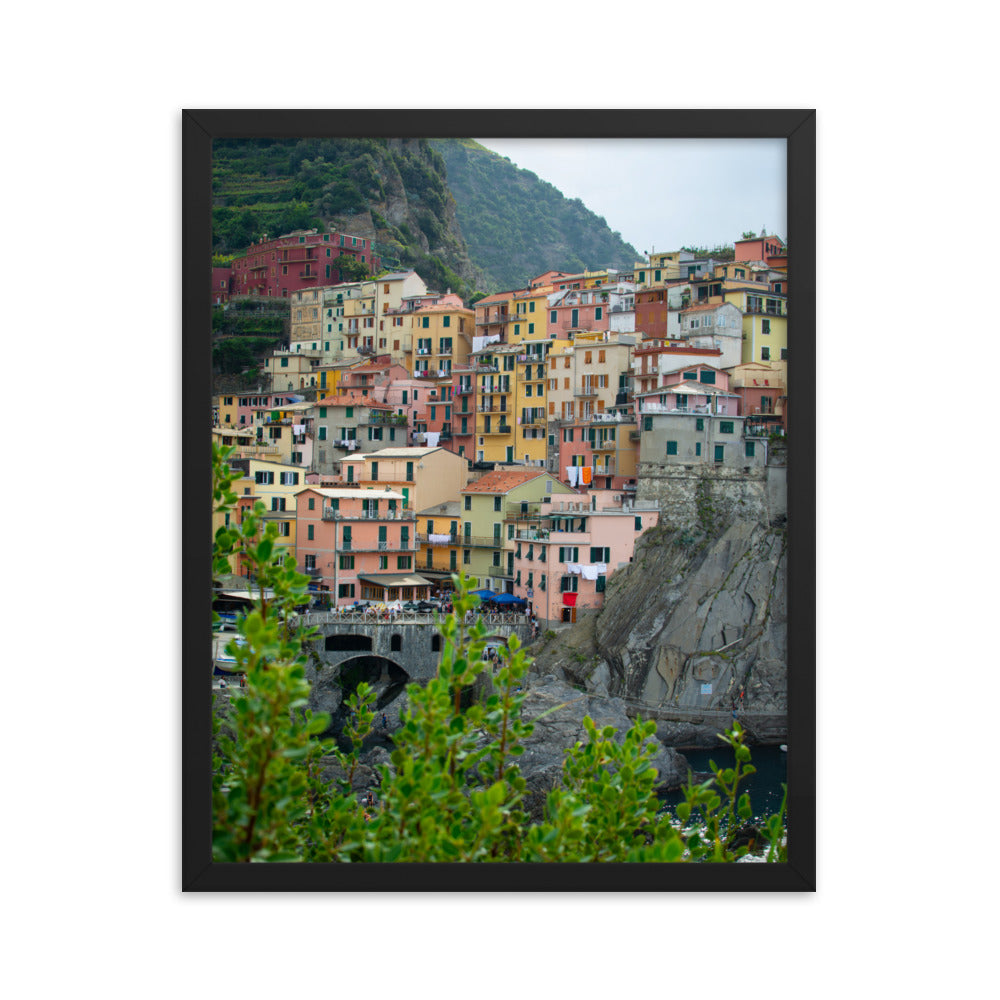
[(691, 376), (446, 321), (638, 524), (599, 587), (647, 423), (350, 411), (671, 447), (309, 532), (726, 427), (374, 470), (409, 471), (708, 378), (312, 503), (598, 313), (425, 322), (750, 449), (699, 424), (697, 448), (720, 452)]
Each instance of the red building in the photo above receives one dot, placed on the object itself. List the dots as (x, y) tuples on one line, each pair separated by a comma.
[(297, 260), (767, 248), (222, 278)]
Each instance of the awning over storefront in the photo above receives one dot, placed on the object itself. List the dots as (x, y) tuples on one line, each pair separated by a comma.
[(394, 579)]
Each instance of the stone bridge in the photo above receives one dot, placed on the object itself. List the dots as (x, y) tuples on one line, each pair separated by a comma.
[(407, 642)]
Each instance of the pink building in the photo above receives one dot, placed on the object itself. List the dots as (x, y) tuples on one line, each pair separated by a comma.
[(576, 309), (695, 389), (566, 550), (357, 545)]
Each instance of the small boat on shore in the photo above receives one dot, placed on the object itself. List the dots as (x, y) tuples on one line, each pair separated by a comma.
[(224, 663)]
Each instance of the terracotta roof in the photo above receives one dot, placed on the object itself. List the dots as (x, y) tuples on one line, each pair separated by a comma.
[(503, 480), (495, 297), (710, 306)]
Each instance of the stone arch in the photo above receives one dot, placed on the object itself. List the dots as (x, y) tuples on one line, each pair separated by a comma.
[(348, 642), (386, 676)]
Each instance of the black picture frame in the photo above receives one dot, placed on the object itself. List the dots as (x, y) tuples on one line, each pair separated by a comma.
[(198, 872)]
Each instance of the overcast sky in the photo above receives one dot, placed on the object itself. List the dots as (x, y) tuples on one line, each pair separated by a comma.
[(665, 193)]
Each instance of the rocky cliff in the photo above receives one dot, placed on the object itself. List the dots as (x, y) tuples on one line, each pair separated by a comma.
[(686, 627)]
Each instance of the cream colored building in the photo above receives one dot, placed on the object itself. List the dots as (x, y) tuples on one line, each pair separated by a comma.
[(585, 376)]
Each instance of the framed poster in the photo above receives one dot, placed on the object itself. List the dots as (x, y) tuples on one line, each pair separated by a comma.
[(726, 323)]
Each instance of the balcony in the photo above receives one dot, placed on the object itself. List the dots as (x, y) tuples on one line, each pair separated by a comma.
[(481, 542), (464, 390), (585, 391), (453, 539), (489, 408), (499, 429), (330, 514)]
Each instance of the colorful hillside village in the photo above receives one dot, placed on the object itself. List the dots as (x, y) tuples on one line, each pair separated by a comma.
[(404, 435)]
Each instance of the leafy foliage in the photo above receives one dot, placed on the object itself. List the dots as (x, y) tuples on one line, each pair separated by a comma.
[(453, 790)]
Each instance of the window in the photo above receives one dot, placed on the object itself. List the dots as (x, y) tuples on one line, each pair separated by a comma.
[(647, 423), (309, 532), (720, 453), (765, 326), (638, 524), (468, 503), (750, 449), (383, 562), (404, 562), (322, 433), (312, 505), (600, 555), (347, 562), (671, 447), (598, 313), (553, 316), (765, 354), (707, 377), (697, 448), (496, 502), (568, 584), (345, 590), (726, 427), (599, 587), (784, 354), (699, 424)]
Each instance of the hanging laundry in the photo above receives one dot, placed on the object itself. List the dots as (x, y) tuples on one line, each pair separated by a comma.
[(585, 475), (573, 567), (431, 438), (589, 572)]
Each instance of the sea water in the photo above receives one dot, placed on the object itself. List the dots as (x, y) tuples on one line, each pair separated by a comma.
[(763, 787)]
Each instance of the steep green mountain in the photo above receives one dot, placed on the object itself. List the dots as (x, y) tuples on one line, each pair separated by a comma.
[(517, 225), (392, 191), (459, 214)]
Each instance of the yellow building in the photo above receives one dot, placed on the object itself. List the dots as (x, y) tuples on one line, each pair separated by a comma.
[(765, 323), (527, 317), (439, 539), (441, 337)]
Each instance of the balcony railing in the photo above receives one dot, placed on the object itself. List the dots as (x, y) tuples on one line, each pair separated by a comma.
[(453, 539), (500, 429), (585, 390), (329, 514), (487, 408), (358, 545), (481, 542)]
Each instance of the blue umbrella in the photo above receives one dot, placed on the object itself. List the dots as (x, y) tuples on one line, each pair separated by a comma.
[(483, 595), (508, 599)]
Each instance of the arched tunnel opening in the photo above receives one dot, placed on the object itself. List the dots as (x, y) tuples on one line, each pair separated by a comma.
[(386, 678)]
